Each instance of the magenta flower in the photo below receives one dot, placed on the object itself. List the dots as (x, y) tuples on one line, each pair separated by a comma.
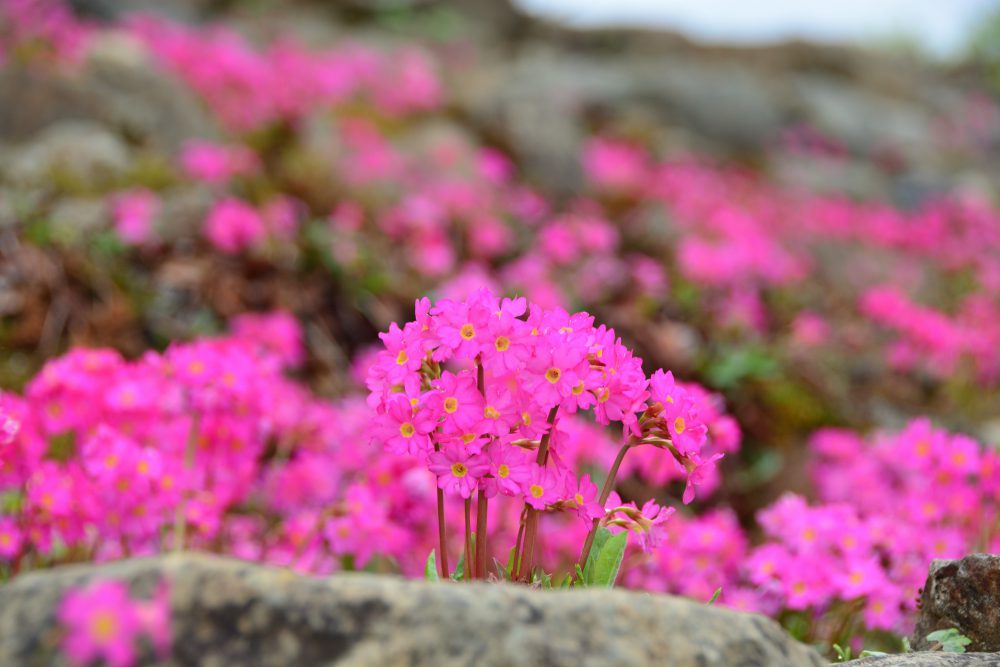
[(511, 469), (543, 488), (101, 622), (458, 471)]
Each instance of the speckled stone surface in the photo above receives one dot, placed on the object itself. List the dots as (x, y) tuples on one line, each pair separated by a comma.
[(227, 612), (929, 659), (962, 594)]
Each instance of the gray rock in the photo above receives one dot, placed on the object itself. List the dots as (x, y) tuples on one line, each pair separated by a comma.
[(929, 659), (962, 594), (118, 87), (227, 612), (73, 155)]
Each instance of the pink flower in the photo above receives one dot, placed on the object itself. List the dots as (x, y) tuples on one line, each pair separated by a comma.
[(214, 163), (585, 500), (510, 468), (458, 471), (101, 622), (134, 212), (543, 488), (233, 226), (461, 402), (11, 539)]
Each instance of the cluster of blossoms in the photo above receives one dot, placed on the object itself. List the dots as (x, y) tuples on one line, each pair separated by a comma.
[(477, 388), (29, 28), (249, 89), (105, 458), (103, 622), (886, 507)]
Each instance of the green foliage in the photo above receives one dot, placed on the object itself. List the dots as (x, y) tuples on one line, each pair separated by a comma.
[(733, 365), (715, 596), (430, 567), (609, 561), (949, 641), (843, 652)]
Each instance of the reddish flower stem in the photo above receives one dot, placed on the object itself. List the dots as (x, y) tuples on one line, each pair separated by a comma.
[(482, 502), (482, 505), (609, 484), (442, 533), (531, 518), (516, 556), (467, 561), (180, 513)]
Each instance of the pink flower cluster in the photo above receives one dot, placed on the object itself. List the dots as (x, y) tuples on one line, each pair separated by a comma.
[(477, 389), (29, 28), (102, 621), (887, 506), (931, 340), (107, 458), (250, 88)]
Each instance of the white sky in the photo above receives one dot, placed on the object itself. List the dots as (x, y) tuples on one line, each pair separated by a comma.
[(941, 25)]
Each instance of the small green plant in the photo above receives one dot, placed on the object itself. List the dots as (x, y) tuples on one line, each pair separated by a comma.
[(949, 641)]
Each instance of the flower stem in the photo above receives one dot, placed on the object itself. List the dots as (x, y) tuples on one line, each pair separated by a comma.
[(180, 513), (609, 484), (531, 516), (482, 505), (481, 499), (516, 556), (442, 537), (467, 561)]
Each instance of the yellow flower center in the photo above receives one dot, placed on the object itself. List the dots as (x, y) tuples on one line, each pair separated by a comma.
[(679, 425), (536, 491), (6, 540), (468, 332), (103, 626), (578, 388), (196, 367), (503, 470), (579, 499), (402, 358), (502, 344), (526, 418), (450, 404), (553, 375), (491, 413), (604, 395), (468, 437), (406, 430), (142, 467), (459, 470)]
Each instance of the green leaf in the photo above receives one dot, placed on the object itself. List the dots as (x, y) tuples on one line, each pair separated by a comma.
[(715, 595), (542, 577), (843, 652), (510, 563), (459, 573), (503, 574), (951, 640), (871, 654), (580, 579), (430, 568), (600, 539), (609, 561)]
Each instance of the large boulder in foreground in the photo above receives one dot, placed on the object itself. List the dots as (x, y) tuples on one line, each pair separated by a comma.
[(227, 612), (928, 659), (962, 594)]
